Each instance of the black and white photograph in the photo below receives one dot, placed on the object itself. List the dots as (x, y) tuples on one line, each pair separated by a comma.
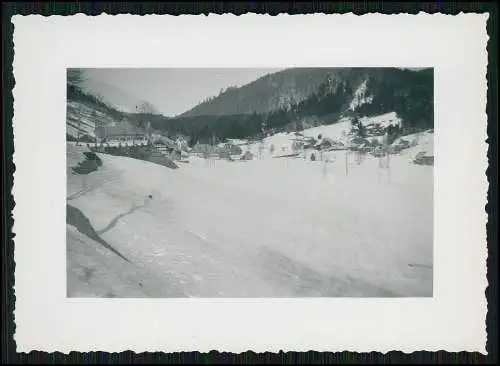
[(239, 182), (250, 182)]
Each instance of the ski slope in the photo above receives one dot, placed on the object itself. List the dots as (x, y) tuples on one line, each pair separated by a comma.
[(261, 228)]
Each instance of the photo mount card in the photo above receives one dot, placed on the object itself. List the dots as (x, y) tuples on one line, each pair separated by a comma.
[(192, 184)]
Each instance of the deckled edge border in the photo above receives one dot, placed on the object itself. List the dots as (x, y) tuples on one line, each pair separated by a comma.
[(273, 9)]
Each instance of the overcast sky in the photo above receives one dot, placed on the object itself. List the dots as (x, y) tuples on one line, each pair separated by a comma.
[(173, 91)]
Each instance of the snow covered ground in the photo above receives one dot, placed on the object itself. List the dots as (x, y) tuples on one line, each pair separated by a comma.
[(340, 132), (270, 227)]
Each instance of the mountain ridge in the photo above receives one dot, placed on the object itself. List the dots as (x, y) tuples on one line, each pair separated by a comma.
[(342, 92), (262, 95), (301, 98), (284, 89)]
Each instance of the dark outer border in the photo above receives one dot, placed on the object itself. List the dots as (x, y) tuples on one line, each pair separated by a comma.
[(9, 353)]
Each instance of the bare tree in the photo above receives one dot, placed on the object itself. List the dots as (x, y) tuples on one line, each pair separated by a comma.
[(261, 149), (75, 77)]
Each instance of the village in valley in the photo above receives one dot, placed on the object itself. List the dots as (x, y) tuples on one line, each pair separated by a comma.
[(379, 137), (335, 205)]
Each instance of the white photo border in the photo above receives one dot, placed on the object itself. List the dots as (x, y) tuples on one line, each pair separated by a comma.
[(453, 320)]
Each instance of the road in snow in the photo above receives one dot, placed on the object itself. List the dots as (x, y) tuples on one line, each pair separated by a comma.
[(263, 228)]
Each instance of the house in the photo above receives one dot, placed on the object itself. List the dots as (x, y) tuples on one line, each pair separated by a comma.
[(400, 144), (120, 133), (224, 154), (166, 146), (230, 148), (182, 142), (162, 140), (424, 158), (358, 142), (247, 156), (203, 149)]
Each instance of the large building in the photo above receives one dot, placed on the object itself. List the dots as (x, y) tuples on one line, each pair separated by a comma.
[(123, 132)]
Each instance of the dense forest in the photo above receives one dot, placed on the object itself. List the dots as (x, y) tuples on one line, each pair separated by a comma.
[(265, 94), (410, 94)]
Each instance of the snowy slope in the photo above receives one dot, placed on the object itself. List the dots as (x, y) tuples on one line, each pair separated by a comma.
[(339, 131), (270, 227), (82, 118), (336, 131)]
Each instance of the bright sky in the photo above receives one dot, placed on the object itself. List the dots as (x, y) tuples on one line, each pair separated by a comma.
[(172, 91)]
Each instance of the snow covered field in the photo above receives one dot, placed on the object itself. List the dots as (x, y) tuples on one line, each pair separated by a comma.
[(271, 227)]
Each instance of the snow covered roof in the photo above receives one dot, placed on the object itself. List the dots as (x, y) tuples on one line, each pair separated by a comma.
[(384, 120), (123, 129), (238, 141)]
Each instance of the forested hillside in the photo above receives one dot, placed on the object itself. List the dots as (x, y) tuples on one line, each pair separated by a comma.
[(343, 92)]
